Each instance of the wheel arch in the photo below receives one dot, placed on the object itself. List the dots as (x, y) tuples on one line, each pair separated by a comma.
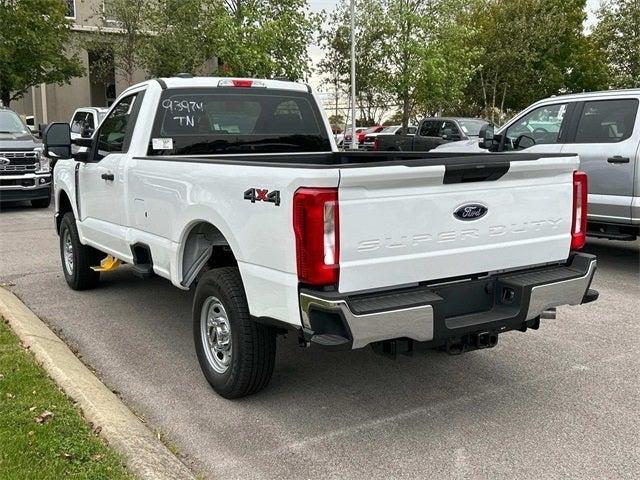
[(63, 206), (203, 247)]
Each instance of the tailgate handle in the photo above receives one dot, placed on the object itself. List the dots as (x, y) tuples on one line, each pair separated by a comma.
[(465, 173), (618, 159)]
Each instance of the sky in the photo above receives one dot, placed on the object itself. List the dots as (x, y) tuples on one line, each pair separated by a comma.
[(316, 54)]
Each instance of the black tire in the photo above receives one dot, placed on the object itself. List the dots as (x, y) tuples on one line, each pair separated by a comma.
[(81, 277), (41, 202), (253, 346)]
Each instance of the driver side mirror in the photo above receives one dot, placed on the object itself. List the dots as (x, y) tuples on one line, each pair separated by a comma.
[(487, 136), (57, 141)]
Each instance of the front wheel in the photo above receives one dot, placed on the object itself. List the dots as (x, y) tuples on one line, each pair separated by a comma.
[(236, 354), (77, 258)]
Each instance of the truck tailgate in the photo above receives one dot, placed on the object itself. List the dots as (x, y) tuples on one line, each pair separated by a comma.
[(398, 227)]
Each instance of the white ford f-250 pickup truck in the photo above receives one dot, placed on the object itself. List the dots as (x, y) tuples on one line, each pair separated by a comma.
[(236, 187)]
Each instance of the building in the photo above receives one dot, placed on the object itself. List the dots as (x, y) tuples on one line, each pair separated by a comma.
[(55, 103)]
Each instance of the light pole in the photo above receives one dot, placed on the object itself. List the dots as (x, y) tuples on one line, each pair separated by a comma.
[(354, 140)]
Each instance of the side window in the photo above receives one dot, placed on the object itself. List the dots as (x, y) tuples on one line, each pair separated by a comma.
[(115, 131), (429, 128), (542, 125), (78, 122), (90, 123), (449, 129), (607, 121)]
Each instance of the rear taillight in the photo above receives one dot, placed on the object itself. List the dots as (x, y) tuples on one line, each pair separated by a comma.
[(316, 226), (376, 144), (579, 220)]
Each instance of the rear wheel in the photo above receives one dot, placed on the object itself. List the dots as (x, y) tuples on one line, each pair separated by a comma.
[(77, 258), (236, 354)]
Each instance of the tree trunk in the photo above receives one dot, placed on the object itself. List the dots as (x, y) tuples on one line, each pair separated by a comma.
[(406, 107), (5, 97), (504, 94)]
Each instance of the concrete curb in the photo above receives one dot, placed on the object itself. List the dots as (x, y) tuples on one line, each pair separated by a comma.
[(143, 453)]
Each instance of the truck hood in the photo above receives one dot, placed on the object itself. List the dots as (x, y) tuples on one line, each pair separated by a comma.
[(23, 141), (464, 146)]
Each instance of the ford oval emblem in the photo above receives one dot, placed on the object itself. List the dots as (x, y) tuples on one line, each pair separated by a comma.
[(4, 161), (470, 211)]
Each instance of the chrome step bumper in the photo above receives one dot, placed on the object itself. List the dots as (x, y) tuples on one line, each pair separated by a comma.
[(438, 313)]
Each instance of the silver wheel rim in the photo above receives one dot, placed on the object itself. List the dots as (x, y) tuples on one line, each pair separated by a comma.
[(67, 251), (215, 331)]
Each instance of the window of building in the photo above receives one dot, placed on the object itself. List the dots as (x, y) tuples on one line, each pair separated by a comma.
[(71, 8), (108, 11)]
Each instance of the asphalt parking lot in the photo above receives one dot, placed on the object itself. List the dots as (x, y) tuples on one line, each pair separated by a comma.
[(562, 402)]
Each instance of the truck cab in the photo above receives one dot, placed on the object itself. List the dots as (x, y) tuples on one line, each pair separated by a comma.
[(431, 133)]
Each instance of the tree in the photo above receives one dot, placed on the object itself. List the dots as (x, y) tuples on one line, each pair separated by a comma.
[(122, 40), (618, 33), (372, 98), (336, 122), (34, 35), (264, 38), (532, 49), (179, 38), (430, 56)]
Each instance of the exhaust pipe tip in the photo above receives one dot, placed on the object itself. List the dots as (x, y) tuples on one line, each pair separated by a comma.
[(548, 314)]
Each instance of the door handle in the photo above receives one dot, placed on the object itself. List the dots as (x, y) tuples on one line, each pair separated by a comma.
[(618, 159), (108, 177)]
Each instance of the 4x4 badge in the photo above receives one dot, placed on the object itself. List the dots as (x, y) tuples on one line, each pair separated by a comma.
[(262, 195)]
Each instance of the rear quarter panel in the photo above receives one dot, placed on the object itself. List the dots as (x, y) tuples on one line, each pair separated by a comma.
[(169, 197)]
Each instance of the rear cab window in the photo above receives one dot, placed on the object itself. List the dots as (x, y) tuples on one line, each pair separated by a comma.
[(220, 120)]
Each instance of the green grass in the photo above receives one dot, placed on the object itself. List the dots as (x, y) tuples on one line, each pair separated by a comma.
[(62, 447)]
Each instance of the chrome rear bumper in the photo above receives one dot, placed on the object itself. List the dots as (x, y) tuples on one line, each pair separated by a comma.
[(438, 313)]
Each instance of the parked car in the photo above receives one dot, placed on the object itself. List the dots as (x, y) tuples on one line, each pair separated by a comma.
[(24, 172), (603, 128), (369, 131), (369, 142), (85, 120), (346, 139), (431, 133), (236, 187)]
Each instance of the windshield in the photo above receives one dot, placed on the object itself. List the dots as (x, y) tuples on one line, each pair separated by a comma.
[(233, 120), (472, 127), (10, 123)]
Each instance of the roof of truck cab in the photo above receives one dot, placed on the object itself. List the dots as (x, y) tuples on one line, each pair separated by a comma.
[(586, 95), (195, 82), (455, 119)]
